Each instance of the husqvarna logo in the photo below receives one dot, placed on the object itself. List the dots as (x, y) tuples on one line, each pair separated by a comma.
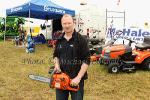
[(51, 9), (16, 9)]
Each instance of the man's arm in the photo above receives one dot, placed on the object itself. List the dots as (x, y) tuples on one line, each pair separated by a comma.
[(85, 56), (81, 73), (56, 59), (83, 70)]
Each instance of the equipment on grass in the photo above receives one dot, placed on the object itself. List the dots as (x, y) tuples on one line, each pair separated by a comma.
[(121, 57), (30, 46)]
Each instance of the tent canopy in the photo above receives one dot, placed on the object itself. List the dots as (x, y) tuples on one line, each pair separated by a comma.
[(40, 9)]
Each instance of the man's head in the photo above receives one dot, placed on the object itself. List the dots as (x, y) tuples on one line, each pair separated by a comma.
[(67, 23)]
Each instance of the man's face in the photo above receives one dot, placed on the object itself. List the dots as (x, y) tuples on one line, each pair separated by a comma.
[(67, 24)]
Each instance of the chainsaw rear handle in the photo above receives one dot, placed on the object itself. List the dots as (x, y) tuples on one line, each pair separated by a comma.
[(73, 88)]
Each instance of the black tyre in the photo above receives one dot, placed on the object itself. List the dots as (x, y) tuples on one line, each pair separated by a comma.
[(146, 64), (113, 68)]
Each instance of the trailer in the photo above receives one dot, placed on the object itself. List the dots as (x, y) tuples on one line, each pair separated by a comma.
[(91, 21), (94, 21)]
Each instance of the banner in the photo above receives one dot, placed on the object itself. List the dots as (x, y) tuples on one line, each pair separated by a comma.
[(136, 34)]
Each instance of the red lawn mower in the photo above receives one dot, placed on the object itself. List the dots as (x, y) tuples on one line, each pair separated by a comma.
[(121, 57)]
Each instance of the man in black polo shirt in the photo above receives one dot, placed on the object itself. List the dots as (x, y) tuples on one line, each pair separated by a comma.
[(72, 57)]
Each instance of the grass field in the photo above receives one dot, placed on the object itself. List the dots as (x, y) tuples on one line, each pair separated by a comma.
[(16, 65)]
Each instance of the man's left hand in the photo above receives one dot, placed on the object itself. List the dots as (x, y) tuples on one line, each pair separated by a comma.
[(75, 81)]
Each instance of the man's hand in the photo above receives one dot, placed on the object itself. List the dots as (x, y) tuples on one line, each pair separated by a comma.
[(57, 69), (57, 66), (75, 81)]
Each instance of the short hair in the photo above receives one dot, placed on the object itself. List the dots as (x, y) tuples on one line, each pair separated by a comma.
[(67, 15)]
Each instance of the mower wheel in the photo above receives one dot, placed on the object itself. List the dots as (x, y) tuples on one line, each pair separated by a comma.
[(146, 64), (113, 68)]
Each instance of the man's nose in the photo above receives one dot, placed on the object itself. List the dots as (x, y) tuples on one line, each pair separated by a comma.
[(67, 25)]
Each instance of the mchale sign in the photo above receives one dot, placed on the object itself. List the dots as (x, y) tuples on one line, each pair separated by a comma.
[(135, 34)]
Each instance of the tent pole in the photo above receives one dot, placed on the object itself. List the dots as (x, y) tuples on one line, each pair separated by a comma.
[(46, 28), (52, 28), (5, 30), (29, 21)]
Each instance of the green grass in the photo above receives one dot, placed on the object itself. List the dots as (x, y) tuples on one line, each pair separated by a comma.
[(16, 65)]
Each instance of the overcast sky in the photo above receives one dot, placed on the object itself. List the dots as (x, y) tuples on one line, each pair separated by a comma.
[(136, 10)]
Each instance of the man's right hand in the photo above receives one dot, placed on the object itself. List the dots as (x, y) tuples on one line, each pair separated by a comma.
[(57, 69)]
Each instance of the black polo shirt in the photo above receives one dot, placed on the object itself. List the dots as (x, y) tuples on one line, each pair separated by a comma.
[(72, 54)]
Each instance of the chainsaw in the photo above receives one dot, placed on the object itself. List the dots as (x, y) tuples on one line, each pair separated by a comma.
[(57, 80)]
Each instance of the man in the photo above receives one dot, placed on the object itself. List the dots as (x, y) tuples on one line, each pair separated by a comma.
[(72, 57)]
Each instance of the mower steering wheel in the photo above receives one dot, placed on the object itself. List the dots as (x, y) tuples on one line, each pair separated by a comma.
[(129, 39)]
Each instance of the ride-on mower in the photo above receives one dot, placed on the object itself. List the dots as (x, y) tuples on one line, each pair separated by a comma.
[(121, 57)]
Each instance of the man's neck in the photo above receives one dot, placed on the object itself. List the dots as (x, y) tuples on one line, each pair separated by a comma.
[(68, 36)]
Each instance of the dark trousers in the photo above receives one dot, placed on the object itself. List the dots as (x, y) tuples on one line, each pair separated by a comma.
[(64, 94)]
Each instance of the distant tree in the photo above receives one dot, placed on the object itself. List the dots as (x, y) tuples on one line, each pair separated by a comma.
[(13, 24)]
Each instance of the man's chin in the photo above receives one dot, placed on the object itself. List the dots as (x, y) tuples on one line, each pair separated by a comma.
[(68, 31)]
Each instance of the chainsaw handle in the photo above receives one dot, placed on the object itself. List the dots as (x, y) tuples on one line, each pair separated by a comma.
[(73, 88)]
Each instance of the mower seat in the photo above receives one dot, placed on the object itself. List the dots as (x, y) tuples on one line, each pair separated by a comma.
[(128, 49), (145, 44), (128, 53)]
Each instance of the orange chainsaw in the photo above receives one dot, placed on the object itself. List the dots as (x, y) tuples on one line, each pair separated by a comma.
[(58, 80)]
